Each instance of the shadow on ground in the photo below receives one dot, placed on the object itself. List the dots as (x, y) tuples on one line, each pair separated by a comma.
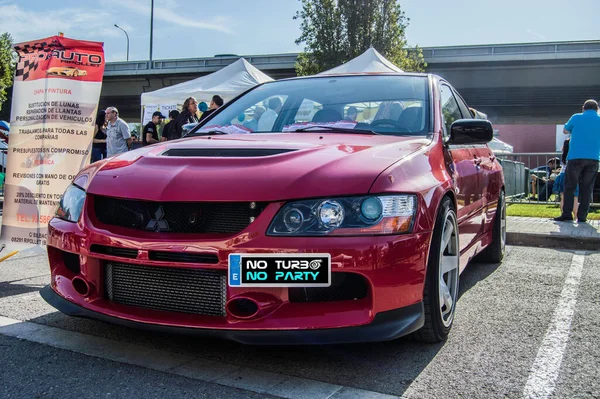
[(11, 288)]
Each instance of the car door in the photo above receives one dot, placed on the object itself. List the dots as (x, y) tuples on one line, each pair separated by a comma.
[(484, 160), (465, 173)]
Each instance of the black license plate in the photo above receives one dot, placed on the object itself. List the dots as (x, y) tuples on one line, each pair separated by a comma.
[(279, 270)]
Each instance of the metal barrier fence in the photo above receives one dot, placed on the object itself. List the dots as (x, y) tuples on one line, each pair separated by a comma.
[(530, 177)]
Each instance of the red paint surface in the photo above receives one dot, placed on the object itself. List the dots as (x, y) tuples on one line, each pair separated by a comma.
[(325, 165)]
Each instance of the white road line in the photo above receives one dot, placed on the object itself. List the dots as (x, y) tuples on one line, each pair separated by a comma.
[(544, 373), (183, 365)]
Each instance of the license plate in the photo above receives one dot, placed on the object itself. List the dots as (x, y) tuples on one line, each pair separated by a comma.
[(279, 270)]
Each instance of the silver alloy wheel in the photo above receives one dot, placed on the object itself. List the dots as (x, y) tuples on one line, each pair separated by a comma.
[(449, 269), (503, 224)]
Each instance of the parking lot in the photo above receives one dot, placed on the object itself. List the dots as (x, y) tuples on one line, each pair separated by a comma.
[(525, 328)]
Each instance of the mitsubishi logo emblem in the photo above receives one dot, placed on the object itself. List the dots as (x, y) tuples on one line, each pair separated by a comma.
[(158, 224)]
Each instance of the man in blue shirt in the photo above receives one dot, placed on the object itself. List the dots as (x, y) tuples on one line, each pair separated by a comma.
[(582, 160)]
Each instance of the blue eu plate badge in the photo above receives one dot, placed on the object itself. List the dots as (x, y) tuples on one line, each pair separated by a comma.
[(279, 270)]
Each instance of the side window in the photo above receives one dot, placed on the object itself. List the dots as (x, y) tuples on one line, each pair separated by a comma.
[(450, 109), (464, 109)]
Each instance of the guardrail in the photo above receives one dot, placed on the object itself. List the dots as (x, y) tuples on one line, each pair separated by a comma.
[(431, 54), (512, 49), (530, 178), (265, 62)]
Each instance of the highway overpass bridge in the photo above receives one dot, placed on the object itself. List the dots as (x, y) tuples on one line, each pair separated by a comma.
[(529, 86)]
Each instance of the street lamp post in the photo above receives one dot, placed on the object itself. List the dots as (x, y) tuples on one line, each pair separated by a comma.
[(127, 40), (151, 29)]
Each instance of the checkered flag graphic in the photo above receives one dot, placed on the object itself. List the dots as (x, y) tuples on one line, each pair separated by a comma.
[(24, 67)]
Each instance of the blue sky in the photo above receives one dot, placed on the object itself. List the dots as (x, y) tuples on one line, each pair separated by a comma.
[(196, 28)]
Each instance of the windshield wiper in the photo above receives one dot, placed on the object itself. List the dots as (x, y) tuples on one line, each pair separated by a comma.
[(336, 129), (210, 132)]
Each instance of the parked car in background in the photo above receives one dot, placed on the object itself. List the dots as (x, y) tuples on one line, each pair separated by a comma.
[(331, 230)]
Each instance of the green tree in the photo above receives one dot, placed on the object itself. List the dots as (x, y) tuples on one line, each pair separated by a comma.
[(7, 66), (335, 31), (323, 34)]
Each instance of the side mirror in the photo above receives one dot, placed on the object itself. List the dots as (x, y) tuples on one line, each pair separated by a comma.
[(471, 131)]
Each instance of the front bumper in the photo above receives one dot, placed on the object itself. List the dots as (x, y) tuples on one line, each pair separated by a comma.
[(393, 268), (385, 326)]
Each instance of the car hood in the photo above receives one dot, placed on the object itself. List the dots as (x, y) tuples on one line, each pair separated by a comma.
[(257, 167)]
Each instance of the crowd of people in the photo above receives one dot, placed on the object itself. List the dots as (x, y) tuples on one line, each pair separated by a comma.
[(112, 135), (572, 177)]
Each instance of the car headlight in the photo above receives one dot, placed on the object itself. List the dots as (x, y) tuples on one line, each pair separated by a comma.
[(366, 215), (70, 205)]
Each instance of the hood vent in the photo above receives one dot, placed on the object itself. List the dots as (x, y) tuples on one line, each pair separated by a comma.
[(224, 152)]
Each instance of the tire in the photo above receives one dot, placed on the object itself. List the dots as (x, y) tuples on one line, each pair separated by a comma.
[(442, 278), (494, 253)]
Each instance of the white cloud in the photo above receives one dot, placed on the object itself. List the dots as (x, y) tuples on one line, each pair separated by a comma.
[(167, 11), (26, 25)]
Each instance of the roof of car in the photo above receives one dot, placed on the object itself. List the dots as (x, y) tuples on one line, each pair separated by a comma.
[(361, 74)]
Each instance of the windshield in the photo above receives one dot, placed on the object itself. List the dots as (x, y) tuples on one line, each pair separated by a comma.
[(391, 105)]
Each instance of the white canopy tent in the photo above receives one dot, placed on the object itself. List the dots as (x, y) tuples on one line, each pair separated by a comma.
[(369, 61), (227, 82)]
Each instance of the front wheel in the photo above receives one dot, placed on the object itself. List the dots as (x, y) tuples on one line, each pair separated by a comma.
[(442, 277)]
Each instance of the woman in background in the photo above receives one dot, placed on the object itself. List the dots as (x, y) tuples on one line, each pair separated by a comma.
[(99, 144), (189, 114)]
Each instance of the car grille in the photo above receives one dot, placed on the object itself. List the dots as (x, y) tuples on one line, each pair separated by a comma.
[(196, 291), (177, 217), (114, 251), (182, 257)]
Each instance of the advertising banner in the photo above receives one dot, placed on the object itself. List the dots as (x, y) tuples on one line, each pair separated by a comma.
[(149, 109), (55, 102)]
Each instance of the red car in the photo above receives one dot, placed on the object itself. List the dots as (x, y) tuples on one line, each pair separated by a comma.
[(345, 213)]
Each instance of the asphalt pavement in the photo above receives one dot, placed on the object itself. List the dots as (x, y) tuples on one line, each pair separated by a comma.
[(525, 328)]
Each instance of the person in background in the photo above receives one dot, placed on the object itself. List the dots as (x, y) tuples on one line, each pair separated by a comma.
[(118, 136), (583, 159), (167, 130), (189, 114), (266, 122), (253, 124), (99, 141), (545, 185), (202, 107), (559, 183), (150, 131), (539, 184), (351, 114), (216, 103)]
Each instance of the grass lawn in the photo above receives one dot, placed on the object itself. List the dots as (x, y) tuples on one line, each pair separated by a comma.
[(543, 211)]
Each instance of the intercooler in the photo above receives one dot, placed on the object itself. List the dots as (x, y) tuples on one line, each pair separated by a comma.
[(171, 289)]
